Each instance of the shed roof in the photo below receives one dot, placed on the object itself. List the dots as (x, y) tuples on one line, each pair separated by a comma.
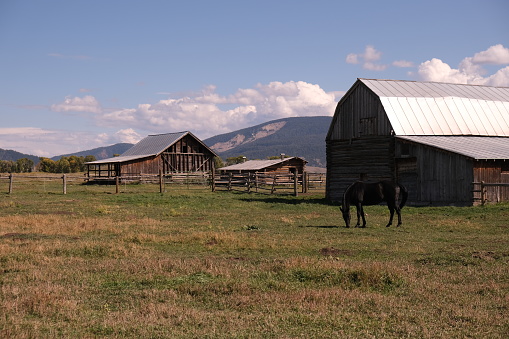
[(433, 108), (256, 165), (149, 146), (475, 147)]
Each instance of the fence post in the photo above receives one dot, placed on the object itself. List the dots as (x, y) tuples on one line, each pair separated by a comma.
[(64, 183), (116, 185), (213, 182), (161, 189), (295, 183), (11, 179), (482, 193), (230, 181), (304, 182)]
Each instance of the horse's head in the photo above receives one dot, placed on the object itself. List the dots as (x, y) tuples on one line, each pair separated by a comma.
[(346, 215)]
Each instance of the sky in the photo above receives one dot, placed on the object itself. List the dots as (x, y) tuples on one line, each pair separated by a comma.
[(76, 75)]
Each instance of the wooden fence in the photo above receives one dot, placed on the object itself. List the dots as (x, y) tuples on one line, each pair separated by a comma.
[(292, 184), (247, 182), (184, 179), (482, 188)]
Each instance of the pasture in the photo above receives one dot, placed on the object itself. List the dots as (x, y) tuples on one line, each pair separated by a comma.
[(190, 263)]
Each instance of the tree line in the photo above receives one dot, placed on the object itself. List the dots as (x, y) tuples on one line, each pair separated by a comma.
[(71, 164)]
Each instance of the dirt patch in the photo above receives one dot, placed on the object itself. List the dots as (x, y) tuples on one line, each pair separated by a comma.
[(334, 252)]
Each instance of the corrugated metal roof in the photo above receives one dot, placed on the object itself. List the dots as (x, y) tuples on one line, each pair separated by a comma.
[(475, 147), (154, 144), (432, 108), (255, 165), (117, 159)]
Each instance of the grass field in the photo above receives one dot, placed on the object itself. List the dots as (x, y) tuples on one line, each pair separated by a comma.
[(197, 264)]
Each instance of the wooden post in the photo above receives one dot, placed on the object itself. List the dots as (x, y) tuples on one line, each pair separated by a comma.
[(304, 182), (295, 183), (213, 182), (230, 181), (483, 197), (256, 182), (248, 182), (117, 182), (161, 185), (273, 185), (64, 182), (11, 179)]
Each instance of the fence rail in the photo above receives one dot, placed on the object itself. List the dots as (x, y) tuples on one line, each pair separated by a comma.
[(482, 188), (245, 182), (269, 183)]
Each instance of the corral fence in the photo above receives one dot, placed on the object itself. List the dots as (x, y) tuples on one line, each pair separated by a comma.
[(485, 192), (186, 180), (246, 182), (265, 183)]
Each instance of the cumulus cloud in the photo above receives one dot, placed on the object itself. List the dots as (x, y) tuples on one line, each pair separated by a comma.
[(86, 104), (207, 113), (369, 59), (470, 70)]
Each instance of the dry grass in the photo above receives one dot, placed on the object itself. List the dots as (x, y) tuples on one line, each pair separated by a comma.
[(196, 264)]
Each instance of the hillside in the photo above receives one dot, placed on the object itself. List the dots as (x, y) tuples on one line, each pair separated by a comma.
[(100, 152), (301, 136), (6, 154)]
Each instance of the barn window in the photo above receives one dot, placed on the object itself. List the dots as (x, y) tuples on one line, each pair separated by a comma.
[(405, 149), (367, 126), (505, 167)]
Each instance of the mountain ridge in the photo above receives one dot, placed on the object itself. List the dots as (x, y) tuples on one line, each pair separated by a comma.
[(296, 136)]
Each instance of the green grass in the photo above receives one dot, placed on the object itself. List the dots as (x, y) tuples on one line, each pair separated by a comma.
[(192, 263)]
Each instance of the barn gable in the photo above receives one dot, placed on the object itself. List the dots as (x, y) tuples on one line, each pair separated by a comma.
[(436, 138)]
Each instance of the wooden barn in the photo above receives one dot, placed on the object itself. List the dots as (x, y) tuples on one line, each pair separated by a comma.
[(283, 166), (437, 139), (170, 153)]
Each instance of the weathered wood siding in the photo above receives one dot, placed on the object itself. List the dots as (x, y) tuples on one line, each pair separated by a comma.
[(359, 114), (368, 159), (433, 176), (491, 171)]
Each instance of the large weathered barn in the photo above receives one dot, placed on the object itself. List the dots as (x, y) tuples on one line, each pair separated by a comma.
[(180, 152), (437, 139)]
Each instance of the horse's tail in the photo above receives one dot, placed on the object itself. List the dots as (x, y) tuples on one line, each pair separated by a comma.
[(404, 196)]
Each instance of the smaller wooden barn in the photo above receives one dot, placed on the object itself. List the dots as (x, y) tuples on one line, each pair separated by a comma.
[(283, 166), (169, 153)]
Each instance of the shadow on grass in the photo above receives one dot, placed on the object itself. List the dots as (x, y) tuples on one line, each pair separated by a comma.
[(289, 200)]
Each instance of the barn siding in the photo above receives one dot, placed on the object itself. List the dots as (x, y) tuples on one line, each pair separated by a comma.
[(434, 176), (369, 158), (491, 171)]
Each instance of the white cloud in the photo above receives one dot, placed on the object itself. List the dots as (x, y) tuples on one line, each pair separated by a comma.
[(207, 113), (86, 104), (470, 70), (369, 58), (403, 63)]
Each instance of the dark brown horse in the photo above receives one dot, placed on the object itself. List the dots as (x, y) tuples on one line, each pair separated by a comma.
[(360, 193)]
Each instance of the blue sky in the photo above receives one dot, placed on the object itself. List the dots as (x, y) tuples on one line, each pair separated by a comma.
[(75, 75)]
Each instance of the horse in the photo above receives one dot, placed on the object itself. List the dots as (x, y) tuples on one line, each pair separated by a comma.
[(360, 194)]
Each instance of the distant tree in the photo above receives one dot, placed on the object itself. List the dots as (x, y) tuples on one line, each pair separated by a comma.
[(7, 166), (90, 158), (274, 157), (24, 165), (63, 165), (235, 160), (218, 162), (46, 165)]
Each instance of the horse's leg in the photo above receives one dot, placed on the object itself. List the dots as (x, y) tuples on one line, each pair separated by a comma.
[(363, 216), (391, 209), (398, 211), (359, 213)]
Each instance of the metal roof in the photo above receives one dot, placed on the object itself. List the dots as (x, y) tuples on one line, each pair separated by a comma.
[(149, 146), (256, 165), (432, 108), (154, 144), (475, 147)]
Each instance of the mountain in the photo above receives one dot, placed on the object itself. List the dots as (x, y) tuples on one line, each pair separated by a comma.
[(7, 154), (302, 137), (100, 152)]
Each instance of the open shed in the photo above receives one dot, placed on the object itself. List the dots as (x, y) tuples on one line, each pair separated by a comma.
[(284, 166), (437, 139), (169, 153)]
